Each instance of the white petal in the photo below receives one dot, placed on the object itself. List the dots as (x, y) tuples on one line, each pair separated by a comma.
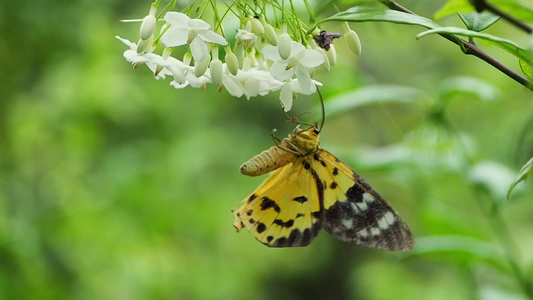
[(252, 87), (304, 78), (179, 85), (198, 24), (198, 49), (285, 96), (297, 88), (212, 37), (177, 72), (233, 87), (271, 53), (132, 46), (280, 72), (196, 82), (296, 47), (177, 19), (310, 58), (175, 37)]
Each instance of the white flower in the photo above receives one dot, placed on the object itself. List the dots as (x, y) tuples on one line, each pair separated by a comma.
[(150, 59), (194, 32), (246, 37), (289, 90), (298, 62), (250, 83)]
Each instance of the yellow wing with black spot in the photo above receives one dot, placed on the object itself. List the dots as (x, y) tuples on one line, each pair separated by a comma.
[(354, 211), (286, 209)]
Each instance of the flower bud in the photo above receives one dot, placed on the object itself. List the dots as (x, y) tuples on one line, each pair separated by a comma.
[(201, 67), (239, 53), (270, 34), (353, 42), (146, 46), (326, 64), (232, 62), (331, 54), (147, 27), (187, 58), (351, 39), (216, 70), (284, 45), (257, 27)]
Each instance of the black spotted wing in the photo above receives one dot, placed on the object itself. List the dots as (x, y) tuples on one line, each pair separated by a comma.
[(286, 209), (355, 212)]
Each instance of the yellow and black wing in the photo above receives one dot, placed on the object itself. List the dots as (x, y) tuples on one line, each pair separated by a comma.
[(286, 210), (354, 211)]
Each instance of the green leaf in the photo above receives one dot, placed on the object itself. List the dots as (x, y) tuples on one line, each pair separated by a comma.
[(527, 69), (458, 248), (478, 21), (378, 14), (377, 94), (468, 85), (505, 44), (493, 178), (452, 7), (522, 175), (365, 14)]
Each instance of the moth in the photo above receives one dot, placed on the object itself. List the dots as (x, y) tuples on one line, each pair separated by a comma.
[(310, 189)]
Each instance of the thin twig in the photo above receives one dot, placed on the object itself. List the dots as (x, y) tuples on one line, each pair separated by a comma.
[(482, 5), (472, 49)]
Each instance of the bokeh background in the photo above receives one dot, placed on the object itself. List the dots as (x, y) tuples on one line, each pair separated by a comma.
[(117, 186)]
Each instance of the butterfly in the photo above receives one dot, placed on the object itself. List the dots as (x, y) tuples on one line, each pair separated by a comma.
[(310, 189)]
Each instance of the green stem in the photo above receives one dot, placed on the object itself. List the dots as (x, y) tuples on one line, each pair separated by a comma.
[(500, 229), (511, 251)]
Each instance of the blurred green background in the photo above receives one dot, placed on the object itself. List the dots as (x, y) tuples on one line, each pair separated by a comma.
[(117, 186)]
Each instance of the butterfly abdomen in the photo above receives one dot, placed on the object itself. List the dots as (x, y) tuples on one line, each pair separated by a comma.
[(268, 160), (298, 143)]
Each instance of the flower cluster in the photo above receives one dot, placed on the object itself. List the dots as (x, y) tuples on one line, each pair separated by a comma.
[(263, 58)]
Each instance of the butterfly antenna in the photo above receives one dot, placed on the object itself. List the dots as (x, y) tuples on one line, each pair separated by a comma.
[(323, 109)]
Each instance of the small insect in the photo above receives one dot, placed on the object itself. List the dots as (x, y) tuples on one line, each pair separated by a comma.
[(309, 190)]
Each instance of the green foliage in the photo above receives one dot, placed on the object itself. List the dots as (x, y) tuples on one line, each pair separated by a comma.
[(522, 175)]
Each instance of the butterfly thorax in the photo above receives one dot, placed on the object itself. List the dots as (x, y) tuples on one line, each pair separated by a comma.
[(300, 142)]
